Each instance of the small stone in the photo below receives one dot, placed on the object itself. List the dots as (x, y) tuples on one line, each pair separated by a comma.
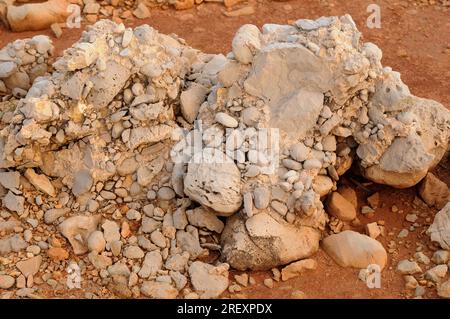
[(297, 294), (349, 194), (241, 279), (159, 290), (127, 167), (82, 182), (412, 218), (420, 291), (57, 31), (374, 200), (191, 100), (203, 218), (300, 152), (57, 254), (403, 233), (421, 258), (30, 266), (440, 257), (14, 203), (226, 120), (268, 282), (116, 247), (311, 164), (434, 191), (166, 193), (91, 8), (366, 210), (410, 282), (6, 281), (133, 252), (339, 207), (279, 207), (141, 11), (177, 262), (406, 267), (444, 290), (77, 230), (41, 182), (153, 262), (373, 230), (209, 281), (7, 69), (111, 231), (244, 11), (96, 242), (262, 197), (158, 239), (296, 268), (436, 273), (10, 180), (52, 215)]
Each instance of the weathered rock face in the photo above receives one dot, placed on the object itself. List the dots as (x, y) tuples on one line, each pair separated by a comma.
[(439, 231), (264, 242)]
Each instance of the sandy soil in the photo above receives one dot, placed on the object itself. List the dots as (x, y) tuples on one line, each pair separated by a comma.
[(415, 41)]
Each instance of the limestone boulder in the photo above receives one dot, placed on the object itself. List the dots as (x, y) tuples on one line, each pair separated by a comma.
[(264, 241), (214, 181), (352, 249)]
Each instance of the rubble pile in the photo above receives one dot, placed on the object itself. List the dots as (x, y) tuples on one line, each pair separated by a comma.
[(21, 62), (163, 166)]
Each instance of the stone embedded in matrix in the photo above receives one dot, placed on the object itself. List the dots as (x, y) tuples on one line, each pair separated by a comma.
[(134, 146)]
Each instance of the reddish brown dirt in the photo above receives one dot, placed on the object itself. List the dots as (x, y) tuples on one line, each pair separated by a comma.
[(414, 40)]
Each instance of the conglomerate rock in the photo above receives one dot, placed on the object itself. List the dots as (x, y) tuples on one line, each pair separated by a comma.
[(162, 145)]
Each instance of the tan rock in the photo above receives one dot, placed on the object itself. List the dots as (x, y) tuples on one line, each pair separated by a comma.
[(230, 3), (141, 11), (373, 230), (439, 231), (77, 230), (322, 185), (296, 268), (374, 200), (184, 4), (434, 192), (56, 28), (41, 182), (37, 16), (339, 207), (159, 290), (352, 249), (349, 194), (57, 253), (30, 266), (444, 290), (245, 11)]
